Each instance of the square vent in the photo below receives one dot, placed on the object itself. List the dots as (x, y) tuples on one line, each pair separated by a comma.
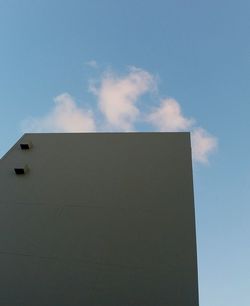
[(25, 145), (21, 170)]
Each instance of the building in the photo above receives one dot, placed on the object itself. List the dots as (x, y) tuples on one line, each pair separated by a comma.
[(98, 219)]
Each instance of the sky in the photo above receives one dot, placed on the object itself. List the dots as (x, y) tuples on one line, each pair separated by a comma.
[(143, 65)]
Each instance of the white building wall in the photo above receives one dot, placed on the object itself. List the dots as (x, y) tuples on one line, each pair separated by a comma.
[(99, 219)]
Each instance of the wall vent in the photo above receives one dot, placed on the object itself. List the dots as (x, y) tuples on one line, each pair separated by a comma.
[(21, 170), (25, 145)]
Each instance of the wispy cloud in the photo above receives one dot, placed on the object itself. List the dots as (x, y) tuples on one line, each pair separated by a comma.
[(117, 100), (168, 117), (117, 96), (92, 64), (202, 144), (65, 116)]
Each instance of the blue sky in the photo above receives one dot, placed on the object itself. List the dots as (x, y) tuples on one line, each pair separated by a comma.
[(169, 65)]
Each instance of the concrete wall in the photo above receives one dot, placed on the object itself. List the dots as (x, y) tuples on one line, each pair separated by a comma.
[(99, 219)]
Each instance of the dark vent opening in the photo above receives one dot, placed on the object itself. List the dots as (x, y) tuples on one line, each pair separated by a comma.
[(19, 171), (25, 146)]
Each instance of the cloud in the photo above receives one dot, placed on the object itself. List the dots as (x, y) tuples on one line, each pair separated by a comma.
[(92, 64), (117, 100), (168, 117), (66, 116), (117, 97), (202, 144)]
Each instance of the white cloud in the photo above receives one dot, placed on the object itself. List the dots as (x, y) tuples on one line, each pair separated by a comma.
[(66, 116), (168, 117), (117, 97), (202, 144), (92, 64)]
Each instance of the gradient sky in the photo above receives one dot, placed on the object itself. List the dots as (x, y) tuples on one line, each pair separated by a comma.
[(195, 53)]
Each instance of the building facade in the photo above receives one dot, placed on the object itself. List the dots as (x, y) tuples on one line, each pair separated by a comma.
[(98, 219)]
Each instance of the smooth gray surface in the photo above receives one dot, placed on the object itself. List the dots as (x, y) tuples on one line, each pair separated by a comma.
[(99, 219)]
